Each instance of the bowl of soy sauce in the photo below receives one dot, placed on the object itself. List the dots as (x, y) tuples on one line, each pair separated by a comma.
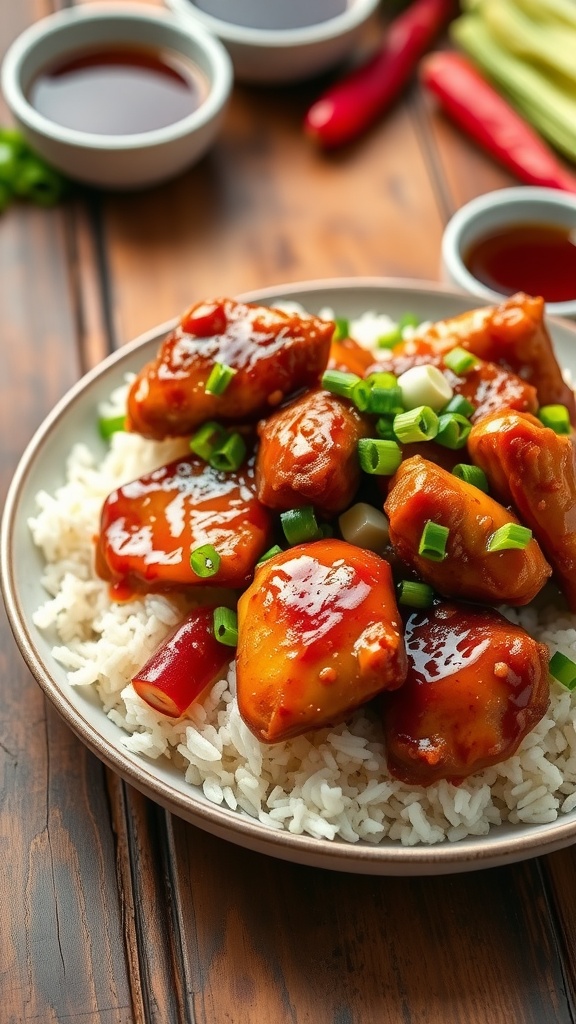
[(117, 96), (515, 240)]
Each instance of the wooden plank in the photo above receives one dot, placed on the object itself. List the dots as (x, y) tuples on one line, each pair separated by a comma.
[(156, 958), (59, 913), (558, 872), (60, 916), (293, 944)]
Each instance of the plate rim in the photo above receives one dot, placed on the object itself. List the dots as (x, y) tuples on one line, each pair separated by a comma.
[(394, 859)]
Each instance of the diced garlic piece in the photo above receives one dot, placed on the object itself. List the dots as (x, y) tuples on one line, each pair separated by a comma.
[(365, 526)]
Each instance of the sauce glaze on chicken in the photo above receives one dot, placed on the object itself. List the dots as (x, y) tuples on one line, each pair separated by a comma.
[(320, 629)]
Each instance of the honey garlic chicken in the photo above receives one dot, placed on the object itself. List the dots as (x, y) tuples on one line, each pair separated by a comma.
[(150, 527), (319, 634), (317, 630), (512, 335), (308, 454), (533, 468), (420, 493), (273, 355), (476, 685)]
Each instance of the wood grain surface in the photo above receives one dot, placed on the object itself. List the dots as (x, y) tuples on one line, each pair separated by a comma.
[(111, 911)]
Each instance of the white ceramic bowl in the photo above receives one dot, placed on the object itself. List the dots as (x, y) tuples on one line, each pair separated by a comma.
[(495, 210), (282, 55), (42, 468), (117, 161)]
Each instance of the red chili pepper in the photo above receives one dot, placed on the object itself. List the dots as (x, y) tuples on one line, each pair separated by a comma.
[(477, 108), (188, 661), (349, 107)]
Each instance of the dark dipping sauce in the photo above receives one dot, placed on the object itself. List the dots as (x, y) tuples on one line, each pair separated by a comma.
[(119, 90), (539, 259)]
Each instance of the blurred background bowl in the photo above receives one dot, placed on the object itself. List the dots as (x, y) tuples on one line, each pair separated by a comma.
[(125, 161), (497, 212), (280, 54)]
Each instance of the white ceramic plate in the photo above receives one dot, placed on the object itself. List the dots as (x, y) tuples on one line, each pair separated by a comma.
[(42, 467)]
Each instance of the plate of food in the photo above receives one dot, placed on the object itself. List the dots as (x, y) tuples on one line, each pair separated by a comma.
[(300, 567)]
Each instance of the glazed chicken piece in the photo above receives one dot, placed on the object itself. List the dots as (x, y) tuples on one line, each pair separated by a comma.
[(514, 336), (273, 353), (308, 454), (319, 634), (150, 527), (476, 685), (533, 468), (422, 492), (487, 386)]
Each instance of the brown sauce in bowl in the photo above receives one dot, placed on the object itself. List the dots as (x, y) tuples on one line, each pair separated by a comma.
[(119, 90), (539, 259)]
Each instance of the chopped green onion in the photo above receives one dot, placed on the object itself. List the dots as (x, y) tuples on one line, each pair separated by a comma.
[(556, 417), (385, 400), (563, 669), (379, 457), (6, 196), (229, 455), (420, 424), (219, 379), (408, 320), (361, 395), (382, 379), (109, 425), (205, 561), (38, 182), (271, 553), (300, 525), (460, 405), (14, 138), (225, 624), (385, 428), (453, 430), (342, 329), (471, 475), (339, 382), (459, 360), (9, 163), (433, 541), (415, 595), (391, 338), (206, 440), (381, 394), (511, 535)]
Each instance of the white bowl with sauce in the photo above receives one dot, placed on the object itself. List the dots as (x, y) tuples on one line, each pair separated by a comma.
[(169, 82), (515, 239), (280, 41)]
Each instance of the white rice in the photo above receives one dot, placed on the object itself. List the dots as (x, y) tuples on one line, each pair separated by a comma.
[(327, 784)]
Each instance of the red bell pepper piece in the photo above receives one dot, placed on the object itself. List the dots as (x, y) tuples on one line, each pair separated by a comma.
[(483, 114), (345, 110), (188, 661)]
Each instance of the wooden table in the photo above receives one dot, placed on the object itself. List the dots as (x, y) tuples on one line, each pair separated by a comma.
[(111, 910)]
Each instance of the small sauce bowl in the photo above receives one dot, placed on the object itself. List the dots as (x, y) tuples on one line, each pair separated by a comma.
[(117, 161), (496, 213), (310, 37)]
